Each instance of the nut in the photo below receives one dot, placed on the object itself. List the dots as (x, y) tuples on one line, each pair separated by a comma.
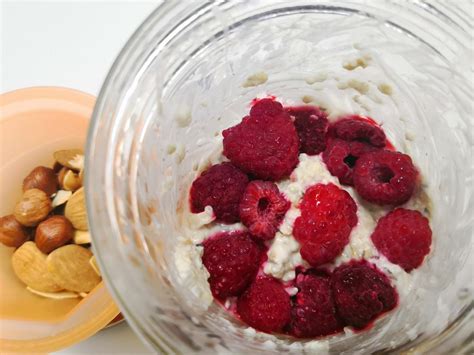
[(61, 174), (61, 198), (94, 265), (81, 237), (75, 210), (54, 295), (53, 233), (12, 233), (70, 158), (68, 180), (41, 178), (33, 207), (81, 176), (29, 265), (57, 167), (77, 163), (70, 268)]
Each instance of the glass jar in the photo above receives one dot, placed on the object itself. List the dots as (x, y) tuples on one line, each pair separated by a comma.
[(191, 70)]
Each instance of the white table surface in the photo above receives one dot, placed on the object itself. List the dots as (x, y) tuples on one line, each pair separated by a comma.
[(71, 44)]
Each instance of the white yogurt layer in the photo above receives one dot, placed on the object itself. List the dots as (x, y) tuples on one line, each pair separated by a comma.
[(283, 257), (283, 254), (284, 250), (357, 86), (192, 273), (347, 65)]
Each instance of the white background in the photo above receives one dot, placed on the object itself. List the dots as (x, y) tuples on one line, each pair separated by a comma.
[(71, 44)]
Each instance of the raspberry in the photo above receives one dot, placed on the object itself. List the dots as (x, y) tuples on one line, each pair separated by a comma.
[(385, 177), (356, 128), (232, 259), (314, 311), (325, 249), (264, 144), (262, 209), (221, 187), (340, 157), (362, 292), (328, 215), (327, 201), (265, 305), (266, 107), (311, 124), (404, 237)]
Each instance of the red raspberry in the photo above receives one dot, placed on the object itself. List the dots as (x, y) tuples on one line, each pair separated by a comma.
[(340, 157), (357, 128), (327, 201), (265, 305), (385, 177), (327, 248), (314, 311), (404, 237), (262, 208), (232, 259), (264, 144), (311, 124), (221, 187), (362, 292), (266, 107), (328, 215)]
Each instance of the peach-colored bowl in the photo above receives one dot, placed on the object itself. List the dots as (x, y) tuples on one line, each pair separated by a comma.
[(35, 122)]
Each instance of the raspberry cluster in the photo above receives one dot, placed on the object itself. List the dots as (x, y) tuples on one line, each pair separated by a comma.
[(264, 149)]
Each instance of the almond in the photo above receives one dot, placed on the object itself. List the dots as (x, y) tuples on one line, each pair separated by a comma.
[(75, 210), (81, 176), (81, 237), (94, 265), (61, 295), (68, 180), (71, 269), (61, 197), (70, 158), (29, 265)]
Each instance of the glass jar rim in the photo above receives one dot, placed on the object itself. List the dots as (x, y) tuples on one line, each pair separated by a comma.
[(103, 147)]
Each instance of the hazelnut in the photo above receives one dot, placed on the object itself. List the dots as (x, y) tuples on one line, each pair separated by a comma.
[(33, 207), (53, 233), (12, 233), (68, 180), (41, 178), (57, 167)]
